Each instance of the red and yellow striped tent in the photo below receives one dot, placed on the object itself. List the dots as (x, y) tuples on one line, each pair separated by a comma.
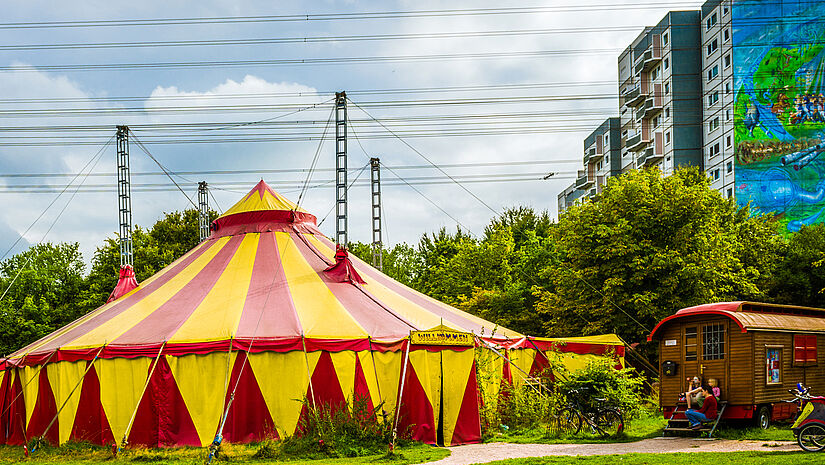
[(264, 310)]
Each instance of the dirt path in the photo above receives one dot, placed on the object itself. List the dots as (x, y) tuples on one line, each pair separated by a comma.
[(481, 453)]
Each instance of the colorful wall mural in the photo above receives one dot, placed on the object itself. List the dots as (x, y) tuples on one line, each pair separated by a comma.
[(779, 108)]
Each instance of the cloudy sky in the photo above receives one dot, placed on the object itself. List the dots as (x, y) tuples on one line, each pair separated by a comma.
[(496, 95)]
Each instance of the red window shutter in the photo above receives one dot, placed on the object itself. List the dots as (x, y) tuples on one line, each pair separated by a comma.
[(799, 346), (810, 352)]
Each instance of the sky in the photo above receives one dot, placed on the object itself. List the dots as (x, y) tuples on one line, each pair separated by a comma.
[(505, 97)]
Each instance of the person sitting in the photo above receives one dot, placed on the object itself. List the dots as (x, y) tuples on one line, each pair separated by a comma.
[(693, 395), (714, 386), (706, 413)]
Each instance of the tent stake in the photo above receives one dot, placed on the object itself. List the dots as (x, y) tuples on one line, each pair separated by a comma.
[(123, 442)]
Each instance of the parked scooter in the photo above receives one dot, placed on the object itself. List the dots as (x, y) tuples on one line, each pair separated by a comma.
[(809, 427)]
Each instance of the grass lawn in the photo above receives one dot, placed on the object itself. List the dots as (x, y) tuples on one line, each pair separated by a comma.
[(76, 454), (740, 432), (716, 458), (636, 430)]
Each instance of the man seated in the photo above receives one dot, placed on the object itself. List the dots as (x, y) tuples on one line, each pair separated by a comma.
[(706, 413)]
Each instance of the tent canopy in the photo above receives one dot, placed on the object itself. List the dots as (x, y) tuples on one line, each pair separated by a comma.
[(257, 283)]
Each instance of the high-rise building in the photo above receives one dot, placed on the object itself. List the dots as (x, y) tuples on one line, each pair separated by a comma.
[(602, 159), (764, 105)]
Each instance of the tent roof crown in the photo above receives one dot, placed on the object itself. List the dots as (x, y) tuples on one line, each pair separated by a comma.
[(262, 205)]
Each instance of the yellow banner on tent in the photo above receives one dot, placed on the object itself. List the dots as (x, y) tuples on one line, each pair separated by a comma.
[(440, 336)]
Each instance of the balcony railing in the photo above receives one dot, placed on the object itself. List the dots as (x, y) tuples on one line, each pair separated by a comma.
[(636, 142), (634, 96)]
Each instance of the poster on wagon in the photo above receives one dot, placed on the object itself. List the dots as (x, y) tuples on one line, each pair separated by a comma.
[(779, 109)]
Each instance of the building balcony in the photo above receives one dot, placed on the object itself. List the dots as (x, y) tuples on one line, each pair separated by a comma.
[(634, 96), (588, 155), (583, 182), (652, 106), (647, 60), (636, 142), (652, 154)]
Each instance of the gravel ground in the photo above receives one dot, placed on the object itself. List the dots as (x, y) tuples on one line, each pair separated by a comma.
[(481, 453)]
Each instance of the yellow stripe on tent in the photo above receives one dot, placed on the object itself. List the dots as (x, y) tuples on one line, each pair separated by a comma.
[(457, 367), (201, 380), (320, 313), (63, 378), (220, 311), (521, 358), (427, 366), (283, 380), (121, 383), (121, 323), (490, 368), (30, 388), (388, 365), (344, 363)]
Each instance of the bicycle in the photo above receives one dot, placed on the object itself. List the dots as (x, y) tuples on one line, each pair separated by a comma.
[(603, 420), (809, 427)]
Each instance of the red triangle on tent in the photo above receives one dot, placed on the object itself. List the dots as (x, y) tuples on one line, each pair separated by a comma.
[(361, 391), (324, 391), (248, 419), (162, 419), (468, 426), (13, 418), (416, 413), (45, 410), (90, 423)]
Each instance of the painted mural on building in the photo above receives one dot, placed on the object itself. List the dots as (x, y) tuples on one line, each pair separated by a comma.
[(779, 108)]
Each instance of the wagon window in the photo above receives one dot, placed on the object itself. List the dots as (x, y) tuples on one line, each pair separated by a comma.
[(713, 342), (690, 344), (773, 364), (804, 349)]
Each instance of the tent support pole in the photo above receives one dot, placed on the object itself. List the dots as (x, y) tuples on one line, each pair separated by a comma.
[(378, 384), (504, 357), (309, 375), (71, 393), (401, 391), (216, 443), (123, 442)]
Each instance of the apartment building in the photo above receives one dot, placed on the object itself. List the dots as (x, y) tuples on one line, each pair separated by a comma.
[(659, 95), (718, 94), (602, 159)]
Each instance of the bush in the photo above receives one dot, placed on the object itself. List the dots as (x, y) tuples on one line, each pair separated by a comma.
[(354, 430), (600, 379)]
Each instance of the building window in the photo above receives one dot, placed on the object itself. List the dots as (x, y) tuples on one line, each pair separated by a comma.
[(729, 167), (667, 88), (727, 114), (730, 192), (654, 74), (713, 342), (667, 137), (773, 364), (728, 141), (713, 72), (714, 150), (666, 63), (606, 159), (711, 21), (726, 35), (727, 60), (713, 46), (690, 344), (713, 98), (667, 112), (664, 39), (713, 125), (727, 87), (804, 349), (716, 174)]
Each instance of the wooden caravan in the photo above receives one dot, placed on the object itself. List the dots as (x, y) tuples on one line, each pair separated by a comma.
[(754, 351)]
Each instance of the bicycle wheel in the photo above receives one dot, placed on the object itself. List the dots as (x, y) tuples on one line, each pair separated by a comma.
[(609, 422), (568, 421), (812, 437)]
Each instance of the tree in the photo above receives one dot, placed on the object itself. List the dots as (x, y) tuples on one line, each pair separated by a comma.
[(400, 262), (800, 276), (43, 284), (648, 245)]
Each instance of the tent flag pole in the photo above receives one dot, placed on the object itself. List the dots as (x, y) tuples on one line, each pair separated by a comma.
[(504, 357), (377, 383), (309, 375), (123, 442), (71, 393), (401, 391)]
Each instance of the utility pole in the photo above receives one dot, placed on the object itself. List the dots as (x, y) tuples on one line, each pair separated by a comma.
[(375, 185), (124, 196), (203, 210), (341, 168)]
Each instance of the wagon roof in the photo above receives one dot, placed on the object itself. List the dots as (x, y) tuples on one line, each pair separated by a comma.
[(756, 316)]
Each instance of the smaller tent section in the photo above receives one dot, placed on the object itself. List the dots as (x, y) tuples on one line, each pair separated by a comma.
[(266, 311)]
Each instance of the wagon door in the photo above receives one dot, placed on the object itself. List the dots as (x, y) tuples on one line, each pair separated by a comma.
[(713, 350), (690, 353)]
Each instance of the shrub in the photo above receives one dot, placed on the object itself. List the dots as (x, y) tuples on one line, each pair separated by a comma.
[(600, 379)]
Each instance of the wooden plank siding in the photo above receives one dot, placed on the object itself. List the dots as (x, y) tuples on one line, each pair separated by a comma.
[(671, 386), (811, 376)]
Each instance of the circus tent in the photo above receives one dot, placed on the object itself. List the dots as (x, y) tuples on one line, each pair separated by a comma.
[(264, 312)]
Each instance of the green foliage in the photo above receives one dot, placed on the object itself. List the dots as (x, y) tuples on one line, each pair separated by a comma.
[(400, 262), (354, 430), (649, 245), (800, 274), (600, 379)]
